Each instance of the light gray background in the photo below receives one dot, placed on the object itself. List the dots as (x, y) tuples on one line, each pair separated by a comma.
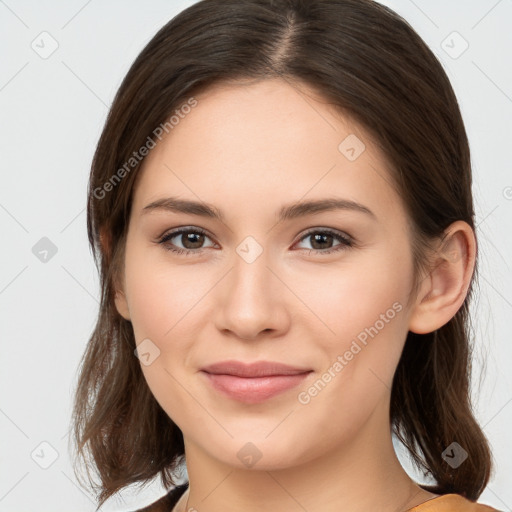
[(52, 112)]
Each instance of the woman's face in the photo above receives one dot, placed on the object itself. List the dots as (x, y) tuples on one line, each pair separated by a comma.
[(256, 287)]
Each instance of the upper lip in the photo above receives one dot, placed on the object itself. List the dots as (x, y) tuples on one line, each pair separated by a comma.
[(256, 369)]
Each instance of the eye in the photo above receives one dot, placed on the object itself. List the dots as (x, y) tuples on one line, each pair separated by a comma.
[(192, 239), (322, 239)]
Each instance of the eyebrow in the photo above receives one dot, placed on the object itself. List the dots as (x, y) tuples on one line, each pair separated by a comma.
[(287, 212)]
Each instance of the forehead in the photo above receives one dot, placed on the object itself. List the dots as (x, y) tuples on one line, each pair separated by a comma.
[(264, 144)]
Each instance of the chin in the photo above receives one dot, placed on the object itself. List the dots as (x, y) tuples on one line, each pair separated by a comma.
[(259, 452)]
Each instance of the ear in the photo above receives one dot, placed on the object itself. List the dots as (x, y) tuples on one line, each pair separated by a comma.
[(120, 298), (444, 289), (122, 304)]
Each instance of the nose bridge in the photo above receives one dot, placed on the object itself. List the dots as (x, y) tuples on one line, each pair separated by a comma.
[(253, 295), (250, 277)]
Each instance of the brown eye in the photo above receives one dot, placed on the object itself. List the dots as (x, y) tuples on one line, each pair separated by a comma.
[(322, 241), (192, 240)]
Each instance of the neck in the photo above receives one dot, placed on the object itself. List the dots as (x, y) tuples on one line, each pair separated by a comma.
[(363, 474)]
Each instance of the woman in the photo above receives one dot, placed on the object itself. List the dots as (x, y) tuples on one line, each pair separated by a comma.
[(276, 371)]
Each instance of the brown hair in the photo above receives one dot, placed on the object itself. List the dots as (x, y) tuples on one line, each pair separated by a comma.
[(372, 66)]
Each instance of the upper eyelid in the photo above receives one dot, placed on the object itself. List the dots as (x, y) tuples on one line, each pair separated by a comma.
[(185, 229), (333, 231)]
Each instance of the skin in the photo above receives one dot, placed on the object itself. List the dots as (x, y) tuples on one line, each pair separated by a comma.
[(249, 149)]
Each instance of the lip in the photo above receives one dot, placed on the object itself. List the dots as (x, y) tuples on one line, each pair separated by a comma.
[(254, 382), (256, 369)]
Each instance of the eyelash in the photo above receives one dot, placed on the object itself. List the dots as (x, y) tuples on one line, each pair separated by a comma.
[(345, 241)]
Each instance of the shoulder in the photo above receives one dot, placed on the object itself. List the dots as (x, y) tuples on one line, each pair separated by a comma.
[(452, 503), (167, 502)]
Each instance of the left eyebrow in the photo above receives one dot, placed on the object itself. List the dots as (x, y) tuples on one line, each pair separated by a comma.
[(287, 212), (295, 210)]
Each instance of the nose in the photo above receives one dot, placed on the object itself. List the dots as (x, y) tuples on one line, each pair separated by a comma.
[(251, 302)]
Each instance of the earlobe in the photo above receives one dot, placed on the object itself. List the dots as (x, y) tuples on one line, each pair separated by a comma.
[(122, 305), (120, 297), (443, 290)]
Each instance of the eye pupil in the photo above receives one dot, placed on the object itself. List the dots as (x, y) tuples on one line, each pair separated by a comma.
[(189, 237), (319, 238)]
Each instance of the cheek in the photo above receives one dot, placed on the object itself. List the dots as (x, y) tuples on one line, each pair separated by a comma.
[(149, 303), (353, 295), (160, 294), (367, 314), (364, 308), (161, 302)]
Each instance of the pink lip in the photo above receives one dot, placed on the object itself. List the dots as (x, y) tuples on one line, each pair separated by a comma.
[(253, 383)]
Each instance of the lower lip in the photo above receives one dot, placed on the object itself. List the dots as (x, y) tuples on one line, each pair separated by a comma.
[(254, 390)]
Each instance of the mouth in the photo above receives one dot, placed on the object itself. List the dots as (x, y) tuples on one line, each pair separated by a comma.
[(253, 383)]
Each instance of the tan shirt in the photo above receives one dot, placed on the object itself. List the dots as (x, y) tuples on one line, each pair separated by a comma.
[(445, 503), (451, 503)]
